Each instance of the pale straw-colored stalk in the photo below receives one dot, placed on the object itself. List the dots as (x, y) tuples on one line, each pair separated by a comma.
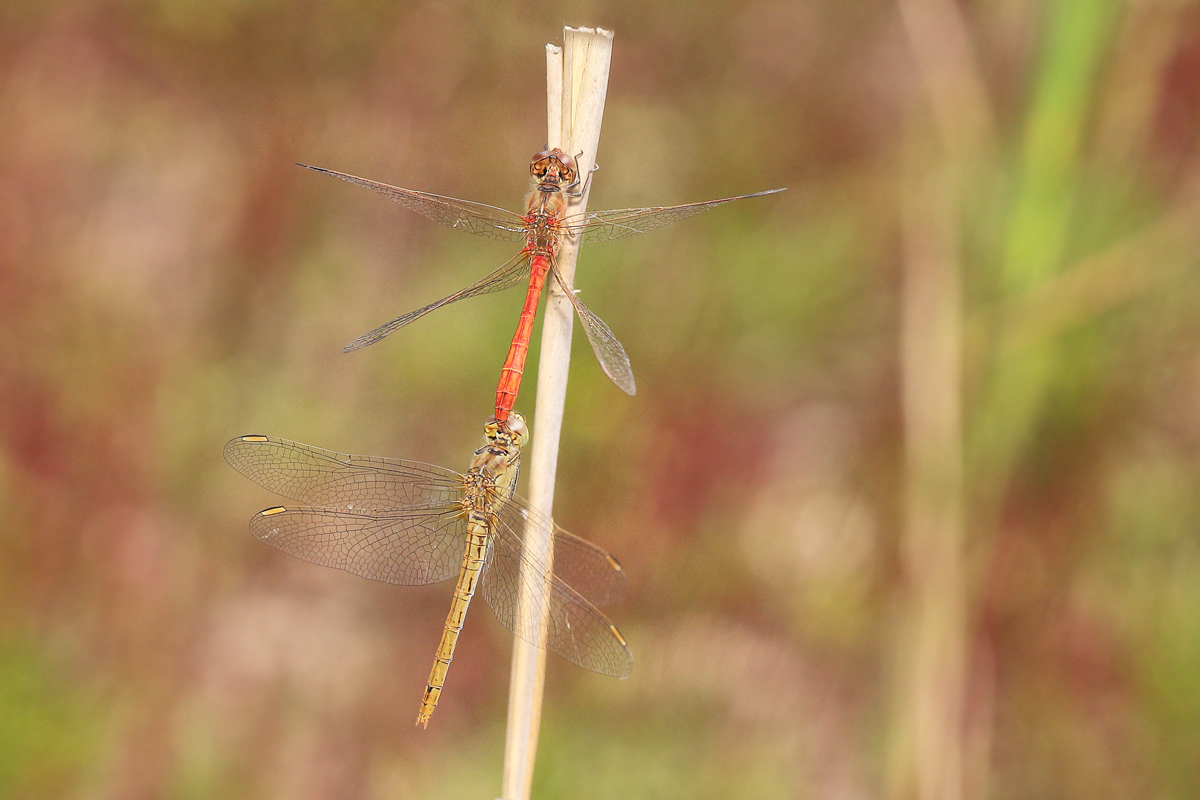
[(928, 752), (930, 749), (576, 84)]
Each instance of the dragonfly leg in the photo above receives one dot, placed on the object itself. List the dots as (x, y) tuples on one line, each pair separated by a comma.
[(587, 182)]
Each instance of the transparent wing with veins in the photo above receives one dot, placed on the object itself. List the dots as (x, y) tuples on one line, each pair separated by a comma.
[(608, 350), (618, 223), (513, 273), (411, 548), (591, 572), (498, 223), (477, 218), (574, 628), (426, 539), (357, 484)]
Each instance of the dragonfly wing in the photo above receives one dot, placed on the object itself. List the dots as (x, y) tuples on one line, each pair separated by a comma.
[(477, 218), (608, 350), (341, 482), (574, 628), (618, 223), (594, 573), (410, 548), (512, 273)]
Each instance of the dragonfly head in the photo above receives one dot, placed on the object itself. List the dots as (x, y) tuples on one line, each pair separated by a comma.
[(512, 433), (554, 167)]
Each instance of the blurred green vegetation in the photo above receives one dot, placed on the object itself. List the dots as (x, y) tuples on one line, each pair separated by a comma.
[(49, 722), (168, 279)]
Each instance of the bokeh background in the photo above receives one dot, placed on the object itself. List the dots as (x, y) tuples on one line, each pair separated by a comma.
[(909, 494)]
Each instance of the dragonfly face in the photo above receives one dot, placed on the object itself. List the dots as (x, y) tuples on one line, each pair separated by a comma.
[(554, 170)]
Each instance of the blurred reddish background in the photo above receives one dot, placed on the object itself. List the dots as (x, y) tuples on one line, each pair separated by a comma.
[(908, 497)]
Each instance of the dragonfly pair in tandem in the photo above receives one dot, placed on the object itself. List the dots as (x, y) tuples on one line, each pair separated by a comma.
[(409, 523)]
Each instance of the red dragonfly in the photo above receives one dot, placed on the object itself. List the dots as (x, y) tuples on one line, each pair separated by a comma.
[(546, 223)]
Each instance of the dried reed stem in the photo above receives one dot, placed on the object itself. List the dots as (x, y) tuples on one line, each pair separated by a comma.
[(577, 82), (930, 754)]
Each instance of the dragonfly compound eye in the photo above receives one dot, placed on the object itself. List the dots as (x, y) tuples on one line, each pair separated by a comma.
[(517, 426), (569, 168)]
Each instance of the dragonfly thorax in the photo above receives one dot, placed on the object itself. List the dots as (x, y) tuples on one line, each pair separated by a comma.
[(492, 460), (544, 207)]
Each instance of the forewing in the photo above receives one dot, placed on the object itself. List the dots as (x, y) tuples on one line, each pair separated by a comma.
[(617, 223), (594, 573), (411, 548), (477, 218), (342, 482), (575, 629), (514, 272), (608, 350)]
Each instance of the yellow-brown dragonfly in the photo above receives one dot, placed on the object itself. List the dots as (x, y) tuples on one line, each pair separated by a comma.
[(410, 523)]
